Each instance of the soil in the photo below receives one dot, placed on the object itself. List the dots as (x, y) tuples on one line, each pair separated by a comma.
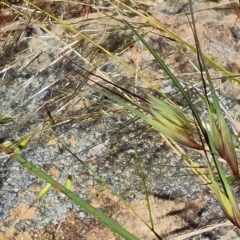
[(36, 79)]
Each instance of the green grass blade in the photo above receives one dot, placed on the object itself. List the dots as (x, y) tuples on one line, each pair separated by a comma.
[(115, 227)]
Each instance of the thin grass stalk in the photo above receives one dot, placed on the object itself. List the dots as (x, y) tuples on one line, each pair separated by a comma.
[(105, 184), (144, 184), (143, 178)]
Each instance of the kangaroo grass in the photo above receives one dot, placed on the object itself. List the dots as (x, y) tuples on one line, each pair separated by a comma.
[(220, 140), (173, 124), (178, 128)]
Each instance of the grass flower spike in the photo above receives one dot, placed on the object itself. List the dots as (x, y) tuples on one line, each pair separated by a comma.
[(223, 142), (172, 123)]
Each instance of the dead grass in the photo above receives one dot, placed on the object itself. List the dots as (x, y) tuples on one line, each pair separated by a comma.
[(92, 37)]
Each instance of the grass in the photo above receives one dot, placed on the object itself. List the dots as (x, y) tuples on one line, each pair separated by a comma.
[(42, 45)]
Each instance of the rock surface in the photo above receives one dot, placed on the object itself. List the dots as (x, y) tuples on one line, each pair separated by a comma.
[(102, 134)]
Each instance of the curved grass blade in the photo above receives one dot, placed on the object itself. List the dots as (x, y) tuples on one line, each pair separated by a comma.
[(115, 227)]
